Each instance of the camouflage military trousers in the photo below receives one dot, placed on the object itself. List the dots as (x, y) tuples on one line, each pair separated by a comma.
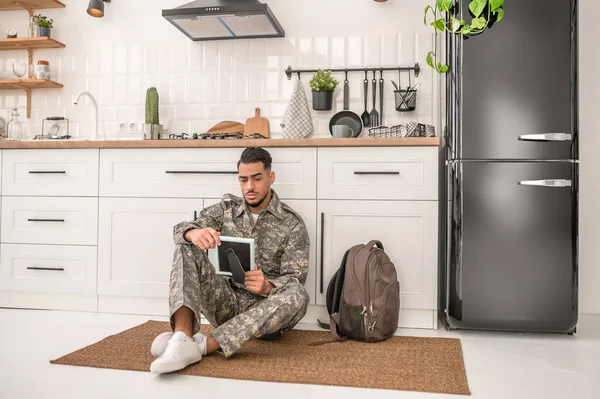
[(237, 313)]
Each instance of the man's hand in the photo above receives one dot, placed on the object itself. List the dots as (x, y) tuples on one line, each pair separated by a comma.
[(255, 281), (203, 238)]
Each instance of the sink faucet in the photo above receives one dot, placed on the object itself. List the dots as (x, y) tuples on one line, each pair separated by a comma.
[(87, 93)]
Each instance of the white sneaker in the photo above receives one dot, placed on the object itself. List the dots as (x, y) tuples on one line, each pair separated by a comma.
[(181, 351), (160, 342)]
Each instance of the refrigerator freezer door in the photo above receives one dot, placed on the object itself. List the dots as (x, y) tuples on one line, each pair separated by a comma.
[(518, 88), (513, 246)]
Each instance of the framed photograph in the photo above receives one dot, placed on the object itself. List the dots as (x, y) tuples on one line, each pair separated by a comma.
[(234, 257)]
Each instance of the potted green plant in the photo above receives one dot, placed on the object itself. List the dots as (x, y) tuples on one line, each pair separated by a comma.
[(323, 85), (43, 25), (152, 129), (484, 14)]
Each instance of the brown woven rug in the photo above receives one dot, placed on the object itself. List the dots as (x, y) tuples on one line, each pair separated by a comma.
[(400, 363)]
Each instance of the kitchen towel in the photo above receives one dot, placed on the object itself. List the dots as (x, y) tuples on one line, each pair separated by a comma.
[(297, 122)]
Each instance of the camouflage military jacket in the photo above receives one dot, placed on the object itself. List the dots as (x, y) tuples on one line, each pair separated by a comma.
[(281, 238)]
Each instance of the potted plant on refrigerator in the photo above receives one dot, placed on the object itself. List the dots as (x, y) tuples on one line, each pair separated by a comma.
[(323, 85), (484, 13), (152, 129), (43, 25)]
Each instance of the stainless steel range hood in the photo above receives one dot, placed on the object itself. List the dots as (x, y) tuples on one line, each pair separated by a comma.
[(225, 19)]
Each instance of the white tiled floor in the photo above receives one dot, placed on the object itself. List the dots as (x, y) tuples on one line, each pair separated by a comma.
[(499, 366)]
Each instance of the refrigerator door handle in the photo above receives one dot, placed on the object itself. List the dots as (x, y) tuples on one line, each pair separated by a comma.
[(546, 183), (545, 137)]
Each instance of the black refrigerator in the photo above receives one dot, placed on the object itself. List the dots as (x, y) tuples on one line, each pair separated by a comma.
[(509, 173)]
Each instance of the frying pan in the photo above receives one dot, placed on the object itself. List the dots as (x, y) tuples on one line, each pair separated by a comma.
[(346, 117)]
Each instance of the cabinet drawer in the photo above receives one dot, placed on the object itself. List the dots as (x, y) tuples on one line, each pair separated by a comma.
[(200, 172), (58, 172), (49, 220), (48, 269), (408, 173)]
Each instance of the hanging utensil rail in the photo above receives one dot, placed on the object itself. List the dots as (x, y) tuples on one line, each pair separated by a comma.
[(289, 71)]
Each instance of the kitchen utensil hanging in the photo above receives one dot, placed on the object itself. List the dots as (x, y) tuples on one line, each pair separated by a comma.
[(365, 115), (374, 117), (347, 117), (405, 99)]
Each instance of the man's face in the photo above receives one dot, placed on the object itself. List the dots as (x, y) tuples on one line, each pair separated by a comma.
[(255, 182)]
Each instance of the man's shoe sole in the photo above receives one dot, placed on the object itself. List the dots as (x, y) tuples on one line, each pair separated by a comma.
[(163, 368)]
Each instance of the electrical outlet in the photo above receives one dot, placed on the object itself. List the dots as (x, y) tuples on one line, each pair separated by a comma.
[(123, 127), (132, 126)]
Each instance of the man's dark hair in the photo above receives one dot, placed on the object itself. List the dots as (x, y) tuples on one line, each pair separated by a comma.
[(256, 154)]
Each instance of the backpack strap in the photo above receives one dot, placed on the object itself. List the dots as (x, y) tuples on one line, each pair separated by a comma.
[(334, 317), (378, 243)]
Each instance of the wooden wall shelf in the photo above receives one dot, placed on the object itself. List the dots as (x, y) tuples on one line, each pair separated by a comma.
[(15, 84), (27, 85), (29, 43), (29, 5)]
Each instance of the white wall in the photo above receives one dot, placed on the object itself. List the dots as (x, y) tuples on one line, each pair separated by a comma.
[(201, 83), (589, 84)]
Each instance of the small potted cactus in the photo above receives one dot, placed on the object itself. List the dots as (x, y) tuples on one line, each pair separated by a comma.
[(323, 86), (152, 129)]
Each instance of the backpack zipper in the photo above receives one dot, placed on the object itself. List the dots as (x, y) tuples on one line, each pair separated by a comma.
[(369, 313)]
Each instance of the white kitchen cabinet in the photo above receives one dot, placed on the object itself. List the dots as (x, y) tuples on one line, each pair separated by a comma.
[(50, 220), (200, 172), (48, 269), (135, 244), (50, 172), (378, 173), (407, 230), (307, 210)]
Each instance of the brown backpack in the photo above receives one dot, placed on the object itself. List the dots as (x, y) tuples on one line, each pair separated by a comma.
[(363, 296)]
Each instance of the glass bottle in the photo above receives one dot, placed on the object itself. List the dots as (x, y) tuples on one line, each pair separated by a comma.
[(32, 28), (14, 127)]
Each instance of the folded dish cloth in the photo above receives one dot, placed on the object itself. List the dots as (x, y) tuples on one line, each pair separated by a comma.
[(297, 122)]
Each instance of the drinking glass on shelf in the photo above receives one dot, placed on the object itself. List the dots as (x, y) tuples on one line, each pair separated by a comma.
[(20, 69)]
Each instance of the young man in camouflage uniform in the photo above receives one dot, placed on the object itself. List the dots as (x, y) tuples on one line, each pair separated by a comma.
[(273, 298)]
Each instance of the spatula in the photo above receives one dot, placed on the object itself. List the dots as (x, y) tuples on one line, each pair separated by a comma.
[(365, 115), (374, 114)]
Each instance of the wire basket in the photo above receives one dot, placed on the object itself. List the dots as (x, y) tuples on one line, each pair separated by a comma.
[(406, 100), (388, 132), (415, 129)]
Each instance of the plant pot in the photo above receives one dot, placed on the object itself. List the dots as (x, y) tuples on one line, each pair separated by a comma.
[(43, 31), (152, 132), (322, 100)]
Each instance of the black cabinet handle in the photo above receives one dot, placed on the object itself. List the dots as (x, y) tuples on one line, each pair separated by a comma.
[(47, 172), (322, 243), (376, 173), (201, 172), (52, 269), (46, 220)]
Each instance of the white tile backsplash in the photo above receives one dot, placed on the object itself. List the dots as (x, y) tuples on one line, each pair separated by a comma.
[(151, 58), (225, 55), (121, 59), (202, 83), (135, 59)]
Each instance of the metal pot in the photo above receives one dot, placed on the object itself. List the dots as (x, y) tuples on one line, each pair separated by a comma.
[(43, 31)]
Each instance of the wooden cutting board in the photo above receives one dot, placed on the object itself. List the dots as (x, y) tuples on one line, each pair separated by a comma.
[(227, 127), (257, 125)]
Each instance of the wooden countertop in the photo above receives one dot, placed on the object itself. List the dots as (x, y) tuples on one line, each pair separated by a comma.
[(224, 143)]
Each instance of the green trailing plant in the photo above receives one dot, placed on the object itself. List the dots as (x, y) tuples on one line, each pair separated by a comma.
[(323, 81), (42, 21), (484, 13), (152, 106)]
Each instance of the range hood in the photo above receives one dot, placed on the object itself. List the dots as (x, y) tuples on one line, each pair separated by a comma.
[(225, 19)]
